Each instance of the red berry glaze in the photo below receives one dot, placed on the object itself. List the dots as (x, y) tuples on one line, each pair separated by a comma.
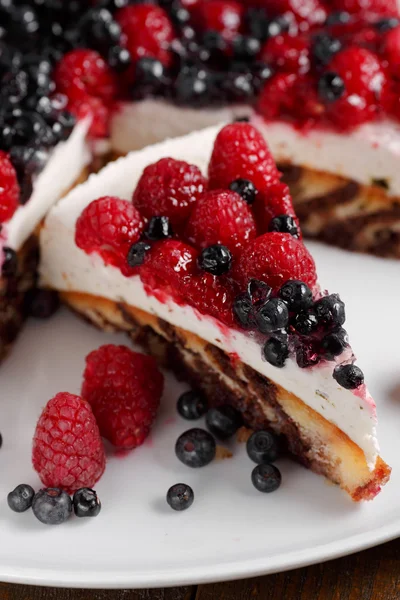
[(221, 217), (67, 448), (224, 16), (124, 389), (240, 151), (9, 188), (275, 258), (287, 53), (169, 187)]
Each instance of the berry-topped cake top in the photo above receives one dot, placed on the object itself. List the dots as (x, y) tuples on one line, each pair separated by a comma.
[(228, 245)]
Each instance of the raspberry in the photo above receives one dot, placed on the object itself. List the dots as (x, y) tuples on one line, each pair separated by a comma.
[(109, 226), (275, 258), (365, 82), (82, 105), (274, 202), (147, 31), (307, 13), (240, 151), (367, 7), (224, 16), (67, 448), (391, 50), (221, 217), (9, 188), (287, 53), (169, 187), (275, 98), (211, 296), (124, 389)]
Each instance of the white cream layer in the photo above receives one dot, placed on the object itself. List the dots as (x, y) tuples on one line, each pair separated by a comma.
[(370, 152), (65, 267)]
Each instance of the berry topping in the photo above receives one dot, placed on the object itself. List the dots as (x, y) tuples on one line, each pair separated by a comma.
[(86, 503), (137, 253), (158, 228), (223, 16), (180, 496), (331, 87), (85, 70), (297, 295), (376, 7), (391, 50), (67, 447), (348, 376), (307, 13), (262, 447), (20, 499), (274, 258), (330, 310), (287, 53), (333, 344), (109, 226), (307, 354), (266, 478), (276, 351), (52, 506), (305, 323), (272, 316), (274, 202), (124, 389), (192, 405), (9, 188), (224, 421), (284, 224), (169, 187), (215, 259), (240, 151), (245, 189), (10, 262), (221, 217), (243, 310), (195, 448), (324, 47), (211, 295)]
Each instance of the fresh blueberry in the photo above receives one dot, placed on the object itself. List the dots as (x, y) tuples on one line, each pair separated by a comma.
[(243, 310), (137, 253), (266, 478), (245, 47), (180, 496), (262, 447), (216, 259), (307, 355), (10, 262), (159, 228), (284, 224), (192, 405), (331, 86), (150, 77), (272, 316), (296, 294), (86, 503), (260, 73), (195, 448), (214, 43), (348, 376), (237, 86), (338, 18), (384, 25), (42, 304), (20, 499), (119, 59), (330, 310), (223, 421), (258, 291), (276, 351), (193, 86), (305, 322), (324, 47), (179, 14), (334, 343), (52, 506), (245, 188)]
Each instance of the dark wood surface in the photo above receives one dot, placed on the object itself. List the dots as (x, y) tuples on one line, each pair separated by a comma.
[(370, 575)]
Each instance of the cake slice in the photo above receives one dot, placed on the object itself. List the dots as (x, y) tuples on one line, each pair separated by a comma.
[(211, 275)]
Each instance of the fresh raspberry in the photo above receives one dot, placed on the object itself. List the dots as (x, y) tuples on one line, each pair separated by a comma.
[(167, 266), (211, 295), (224, 16), (67, 448), (9, 188), (109, 226), (275, 98), (124, 389), (169, 187), (147, 31), (307, 13), (221, 217), (240, 151), (287, 53), (365, 82), (367, 7), (391, 50), (274, 202), (275, 258), (82, 105)]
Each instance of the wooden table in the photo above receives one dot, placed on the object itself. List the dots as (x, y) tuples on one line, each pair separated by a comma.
[(370, 575)]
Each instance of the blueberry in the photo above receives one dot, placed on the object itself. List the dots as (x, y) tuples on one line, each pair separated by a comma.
[(262, 447), (307, 355), (195, 448), (193, 86), (331, 86), (192, 405), (272, 316), (179, 14), (243, 310), (180, 496), (245, 47), (284, 224), (384, 25), (52, 506), (216, 259), (27, 162), (14, 87), (276, 351), (42, 304), (245, 188), (214, 43), (330, 310), (305, 323), (86, 503), (348, 376), (10, 262), (324, 47), (119, 59), (266, 478), (223, 421), (257, 22), (238, 86), (334, 343), (338, 18), (150, 77), (258, 291), (20, 499), (260, 72), (158, 228), (296, 294), (137, 253)]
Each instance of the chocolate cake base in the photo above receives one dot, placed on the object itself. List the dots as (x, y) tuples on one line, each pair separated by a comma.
[(312, 440)]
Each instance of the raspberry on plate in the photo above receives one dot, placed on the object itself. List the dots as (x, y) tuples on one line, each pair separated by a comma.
[(275, 258), (124, 389), (67, 448), (240, 151), (169, 187), (224, 16), (9, 188), (109, 226), (221, 217)]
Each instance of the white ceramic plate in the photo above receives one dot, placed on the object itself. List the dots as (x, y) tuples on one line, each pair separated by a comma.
[(231, 531)]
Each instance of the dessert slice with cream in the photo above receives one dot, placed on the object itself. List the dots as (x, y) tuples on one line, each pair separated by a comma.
[(192, 247)]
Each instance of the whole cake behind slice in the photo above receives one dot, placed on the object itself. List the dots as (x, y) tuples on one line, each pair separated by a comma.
[(212, 277)]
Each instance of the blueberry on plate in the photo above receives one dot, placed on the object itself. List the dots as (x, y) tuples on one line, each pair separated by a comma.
[(195, 448), (262, 447), (192, 405), (180, 496), (52, 506), (223, 421), (266, 478), (20, 499), (86, 503)]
